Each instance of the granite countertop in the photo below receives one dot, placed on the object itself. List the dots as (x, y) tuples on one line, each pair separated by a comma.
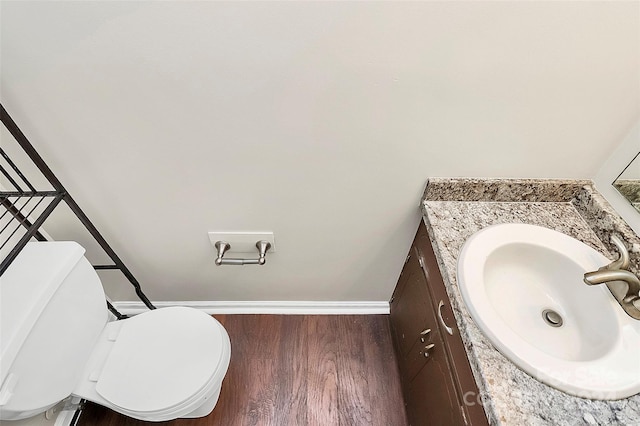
[(454, 209)]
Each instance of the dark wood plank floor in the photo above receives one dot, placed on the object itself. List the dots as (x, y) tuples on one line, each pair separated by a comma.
[(299, 370)]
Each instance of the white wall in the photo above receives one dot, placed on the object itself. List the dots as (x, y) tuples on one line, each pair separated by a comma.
[(319, 121)]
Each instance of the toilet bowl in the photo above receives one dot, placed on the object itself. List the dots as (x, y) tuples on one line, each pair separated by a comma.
[(57, 341)]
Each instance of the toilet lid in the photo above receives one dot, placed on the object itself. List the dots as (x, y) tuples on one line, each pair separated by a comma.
[(162, 358)]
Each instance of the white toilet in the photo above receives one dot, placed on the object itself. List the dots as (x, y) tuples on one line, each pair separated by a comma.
[(56, 341)]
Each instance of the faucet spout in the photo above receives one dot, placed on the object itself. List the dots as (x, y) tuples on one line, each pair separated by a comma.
[(607, 275)]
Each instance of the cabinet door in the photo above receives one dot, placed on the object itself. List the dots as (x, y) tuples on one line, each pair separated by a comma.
[(408, 310), (427, 383), (418, 355), (434, 385), (432, 399), (460, 368)]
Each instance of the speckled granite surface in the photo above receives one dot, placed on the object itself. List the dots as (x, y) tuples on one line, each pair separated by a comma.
[(630, 188), (454, 209), (471, 189)]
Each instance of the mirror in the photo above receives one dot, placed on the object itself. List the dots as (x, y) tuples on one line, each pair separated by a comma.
[(624, 156), (628, 182)]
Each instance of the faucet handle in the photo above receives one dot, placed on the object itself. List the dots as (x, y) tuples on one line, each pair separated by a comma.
[(623, 259)]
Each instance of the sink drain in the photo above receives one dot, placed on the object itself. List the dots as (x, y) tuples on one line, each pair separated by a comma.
[(552, 318)]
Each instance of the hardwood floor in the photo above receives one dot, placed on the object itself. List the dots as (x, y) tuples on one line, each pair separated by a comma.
[(290, 370)]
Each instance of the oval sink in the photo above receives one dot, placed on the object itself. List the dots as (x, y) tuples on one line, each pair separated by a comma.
[(523, 286)]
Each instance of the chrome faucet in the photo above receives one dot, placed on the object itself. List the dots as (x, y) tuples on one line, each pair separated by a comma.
[(623, 284)]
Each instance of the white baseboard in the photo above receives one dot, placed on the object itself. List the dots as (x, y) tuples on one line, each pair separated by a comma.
[(268, 307)]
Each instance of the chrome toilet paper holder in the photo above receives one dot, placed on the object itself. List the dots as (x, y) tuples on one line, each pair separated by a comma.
[(223, 246)]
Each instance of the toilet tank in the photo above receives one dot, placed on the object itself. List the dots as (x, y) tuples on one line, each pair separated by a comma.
[(52, 310)]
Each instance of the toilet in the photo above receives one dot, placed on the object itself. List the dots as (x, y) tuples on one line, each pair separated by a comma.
[(57, 340)]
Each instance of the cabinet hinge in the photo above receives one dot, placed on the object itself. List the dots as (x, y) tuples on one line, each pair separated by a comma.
[(421, 262)]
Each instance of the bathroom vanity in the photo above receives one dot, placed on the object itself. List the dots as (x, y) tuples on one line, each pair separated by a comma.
[(450, 371), (435, 372)]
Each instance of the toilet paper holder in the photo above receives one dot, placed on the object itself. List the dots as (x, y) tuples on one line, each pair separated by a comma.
[(223, 246)]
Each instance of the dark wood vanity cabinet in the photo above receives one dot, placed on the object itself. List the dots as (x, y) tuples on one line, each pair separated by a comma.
[(438, 385)]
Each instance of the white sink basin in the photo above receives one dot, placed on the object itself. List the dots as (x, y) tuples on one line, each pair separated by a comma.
[(522, 285)]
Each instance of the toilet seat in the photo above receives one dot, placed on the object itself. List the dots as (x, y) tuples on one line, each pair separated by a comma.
[(136, 381)]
